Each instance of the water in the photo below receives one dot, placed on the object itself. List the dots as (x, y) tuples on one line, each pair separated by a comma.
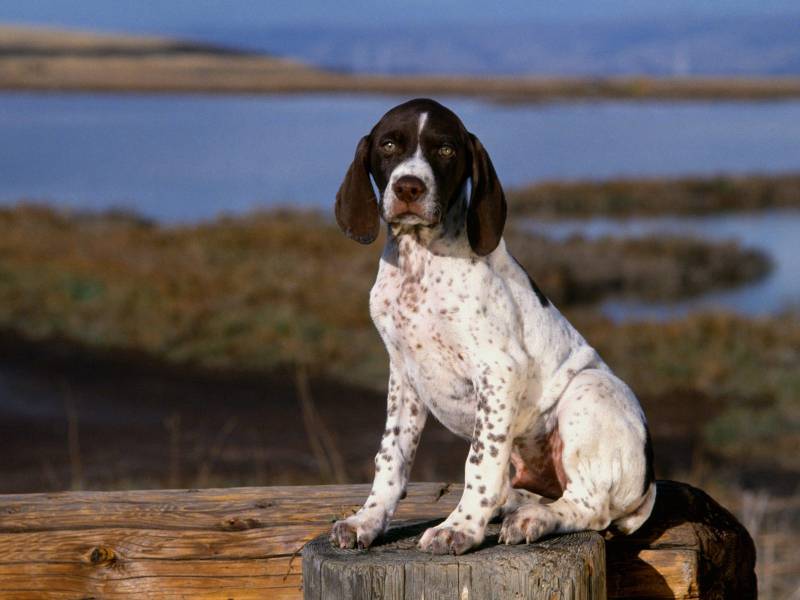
[(774, 232), (187, 158)]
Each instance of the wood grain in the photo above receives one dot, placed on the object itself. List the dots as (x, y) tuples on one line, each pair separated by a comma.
[(245, 543), (229, 543), (569, 566)]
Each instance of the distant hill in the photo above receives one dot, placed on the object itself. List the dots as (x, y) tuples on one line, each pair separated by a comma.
[(730, 46), (43, 41), (19, 42), (68, 60)]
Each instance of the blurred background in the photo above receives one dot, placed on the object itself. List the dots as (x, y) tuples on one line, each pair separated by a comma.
[(177, 308)]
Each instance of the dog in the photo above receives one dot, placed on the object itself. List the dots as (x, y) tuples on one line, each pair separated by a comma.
[(558, 442)]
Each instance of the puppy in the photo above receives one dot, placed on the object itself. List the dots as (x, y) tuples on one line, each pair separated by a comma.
[(558, 442)]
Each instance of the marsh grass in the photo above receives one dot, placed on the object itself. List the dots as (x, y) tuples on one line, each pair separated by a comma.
[(742, 377), (660, 268), (266, 291), (658, 196), (252, 293), (279, 288)]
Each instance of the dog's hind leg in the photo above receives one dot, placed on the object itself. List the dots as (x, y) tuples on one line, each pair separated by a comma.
[(604, 459), (516, 498)]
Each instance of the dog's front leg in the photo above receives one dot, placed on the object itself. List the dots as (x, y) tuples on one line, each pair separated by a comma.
[(405, 418), (487, 464)]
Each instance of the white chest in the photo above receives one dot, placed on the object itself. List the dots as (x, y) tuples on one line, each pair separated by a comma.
[(421, 309)]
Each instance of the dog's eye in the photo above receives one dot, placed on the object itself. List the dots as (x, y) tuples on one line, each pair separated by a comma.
[(388, 146), (446, 151)]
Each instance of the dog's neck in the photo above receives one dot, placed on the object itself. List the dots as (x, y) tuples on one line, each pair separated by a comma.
[(409, 245)]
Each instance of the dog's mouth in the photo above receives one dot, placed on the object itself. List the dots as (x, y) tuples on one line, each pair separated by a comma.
[(413, 219), (414, 214)]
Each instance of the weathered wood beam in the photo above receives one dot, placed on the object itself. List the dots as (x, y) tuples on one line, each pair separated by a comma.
[(244, 542), (220, 543)]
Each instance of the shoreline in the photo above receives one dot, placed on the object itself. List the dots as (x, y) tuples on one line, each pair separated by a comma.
[(245, 76), (630, 197), (52, 60)]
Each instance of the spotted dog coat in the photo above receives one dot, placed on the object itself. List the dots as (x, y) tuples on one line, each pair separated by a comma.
[(558, 442)]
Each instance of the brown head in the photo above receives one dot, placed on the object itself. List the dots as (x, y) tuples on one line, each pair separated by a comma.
[(421, 156)]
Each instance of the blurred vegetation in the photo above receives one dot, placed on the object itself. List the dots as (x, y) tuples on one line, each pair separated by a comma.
[(259, 292), (736, 380), (658, 196), (250, 293), (278, 288), (582, 271)]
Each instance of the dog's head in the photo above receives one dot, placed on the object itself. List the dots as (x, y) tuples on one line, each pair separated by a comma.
[(420, 157)]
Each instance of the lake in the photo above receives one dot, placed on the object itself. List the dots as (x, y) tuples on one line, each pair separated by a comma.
[(188, 158), (185, 158), (775, 232)]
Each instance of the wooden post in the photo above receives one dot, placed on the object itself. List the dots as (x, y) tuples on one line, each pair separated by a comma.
[(569, 566)]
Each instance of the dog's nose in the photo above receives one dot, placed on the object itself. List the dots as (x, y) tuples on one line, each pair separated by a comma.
[(409, 188)]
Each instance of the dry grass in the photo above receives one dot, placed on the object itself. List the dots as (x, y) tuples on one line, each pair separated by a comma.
[(118, 282), (740, 378), (582, 271), (627, 197), (277, 288), (264, 291)]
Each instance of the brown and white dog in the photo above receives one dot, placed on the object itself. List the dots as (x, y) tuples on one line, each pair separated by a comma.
[(559, 443)]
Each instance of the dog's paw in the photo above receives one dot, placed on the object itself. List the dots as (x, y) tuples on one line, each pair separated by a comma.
[(446, 539), (354, 532), (521, 526)]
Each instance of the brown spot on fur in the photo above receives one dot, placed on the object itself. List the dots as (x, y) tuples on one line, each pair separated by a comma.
[(543, 473)]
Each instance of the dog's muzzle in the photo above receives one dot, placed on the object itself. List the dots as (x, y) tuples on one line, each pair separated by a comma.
[(408, 205)]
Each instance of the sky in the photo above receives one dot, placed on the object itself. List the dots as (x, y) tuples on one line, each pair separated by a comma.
[(179, 15)]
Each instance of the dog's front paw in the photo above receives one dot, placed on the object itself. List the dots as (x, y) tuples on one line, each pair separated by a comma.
[(354, 531), (521, 526), (447, 539)]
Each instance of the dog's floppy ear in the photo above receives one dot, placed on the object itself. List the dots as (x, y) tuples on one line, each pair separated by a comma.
[(356, 206), (486, 215)]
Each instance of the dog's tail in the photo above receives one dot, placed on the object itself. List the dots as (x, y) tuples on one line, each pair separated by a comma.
[(633, 520)]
